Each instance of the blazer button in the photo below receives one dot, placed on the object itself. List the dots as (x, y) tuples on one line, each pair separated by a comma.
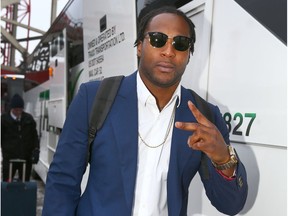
[(240, 181)]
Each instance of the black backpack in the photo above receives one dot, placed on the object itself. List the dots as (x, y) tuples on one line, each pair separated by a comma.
[(104, 99)]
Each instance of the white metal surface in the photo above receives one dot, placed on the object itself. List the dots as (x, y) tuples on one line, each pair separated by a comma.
[(109, 34), (57, 104), (248, 80)]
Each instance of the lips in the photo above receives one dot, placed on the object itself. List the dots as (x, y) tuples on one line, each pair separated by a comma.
[(165, 67)]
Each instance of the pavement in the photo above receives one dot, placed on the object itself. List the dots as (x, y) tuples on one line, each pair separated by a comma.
[(40, 196)]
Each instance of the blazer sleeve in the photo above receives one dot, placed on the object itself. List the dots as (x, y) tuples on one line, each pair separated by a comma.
[(63, 184), (228, 196)]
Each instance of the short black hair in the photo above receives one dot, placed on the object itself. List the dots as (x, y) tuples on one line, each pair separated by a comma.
[(144, 20)]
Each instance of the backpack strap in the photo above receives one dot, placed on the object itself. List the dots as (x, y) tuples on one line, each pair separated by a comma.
[(204, 108), (101, 106)]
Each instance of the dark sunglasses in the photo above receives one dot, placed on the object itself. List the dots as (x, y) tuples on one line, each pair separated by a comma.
[(158, 40)]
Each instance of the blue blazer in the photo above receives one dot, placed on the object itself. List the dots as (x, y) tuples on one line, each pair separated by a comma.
[(113, 168)]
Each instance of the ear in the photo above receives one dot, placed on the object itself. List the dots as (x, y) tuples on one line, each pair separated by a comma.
[(139, 49), (188, 58)]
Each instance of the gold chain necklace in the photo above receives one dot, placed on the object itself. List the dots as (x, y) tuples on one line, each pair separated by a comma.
[(167, 131)]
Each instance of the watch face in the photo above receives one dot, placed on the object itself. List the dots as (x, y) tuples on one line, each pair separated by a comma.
[(234, 158)]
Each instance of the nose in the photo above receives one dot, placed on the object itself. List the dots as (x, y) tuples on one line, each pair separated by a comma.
[(168, 49)]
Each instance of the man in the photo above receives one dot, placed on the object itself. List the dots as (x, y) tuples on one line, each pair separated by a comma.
[(19, 139), (140, 163)]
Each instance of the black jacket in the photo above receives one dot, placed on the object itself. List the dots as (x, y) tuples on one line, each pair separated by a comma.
[(18, 139)]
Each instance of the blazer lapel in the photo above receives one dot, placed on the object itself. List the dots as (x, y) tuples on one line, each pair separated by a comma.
[(180, 154), (125, 127)]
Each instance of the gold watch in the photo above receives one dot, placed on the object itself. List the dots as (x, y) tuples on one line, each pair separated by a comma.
[(231, 163)]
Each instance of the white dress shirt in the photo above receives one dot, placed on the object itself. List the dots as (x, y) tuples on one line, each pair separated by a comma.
[(153, 156)]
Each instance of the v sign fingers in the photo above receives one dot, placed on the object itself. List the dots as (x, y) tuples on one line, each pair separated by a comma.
[(198, 115), (205, 136)]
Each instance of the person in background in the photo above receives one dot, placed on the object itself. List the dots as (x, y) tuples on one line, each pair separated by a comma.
[(150, 147), (19, 139)]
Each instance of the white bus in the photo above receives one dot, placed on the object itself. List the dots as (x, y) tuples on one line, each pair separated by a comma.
[(239, 64)]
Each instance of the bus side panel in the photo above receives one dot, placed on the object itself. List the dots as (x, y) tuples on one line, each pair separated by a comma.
[(248, 76), (57, 104), (196, 73), (248, 79), (109, 35)]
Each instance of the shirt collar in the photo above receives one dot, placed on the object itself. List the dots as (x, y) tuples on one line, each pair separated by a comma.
[(144, 95), (13, 116)]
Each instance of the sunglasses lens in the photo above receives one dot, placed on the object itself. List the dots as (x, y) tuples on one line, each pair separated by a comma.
[(181, 43), (157, 39)]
